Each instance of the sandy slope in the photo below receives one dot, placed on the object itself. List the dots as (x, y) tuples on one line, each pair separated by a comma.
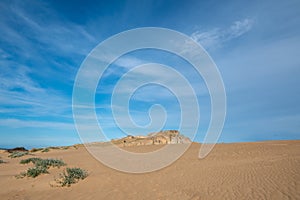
[(262, 170)]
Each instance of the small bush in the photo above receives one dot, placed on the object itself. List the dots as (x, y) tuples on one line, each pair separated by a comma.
[(65, 148), (30, 160), (17, 154), (34, 172), (45, 150), (51, 163), (53, 147), (71, 176), (44, 162), (41, 166), (36, 149), (2, 161)]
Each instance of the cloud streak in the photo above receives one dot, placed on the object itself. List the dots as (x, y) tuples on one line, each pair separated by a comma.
[(38, 51), (54, 35), (217, 37), (20, 95)]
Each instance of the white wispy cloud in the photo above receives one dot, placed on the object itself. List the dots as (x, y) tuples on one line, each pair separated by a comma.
[(43, 37), (30, 45), (51, 36), (166, 75), (22, 96), (216, 37), (129, 62)]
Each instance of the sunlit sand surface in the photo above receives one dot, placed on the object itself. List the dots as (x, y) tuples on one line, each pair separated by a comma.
[(261, 170)]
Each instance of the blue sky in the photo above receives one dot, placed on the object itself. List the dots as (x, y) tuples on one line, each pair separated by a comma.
[(255, 45)]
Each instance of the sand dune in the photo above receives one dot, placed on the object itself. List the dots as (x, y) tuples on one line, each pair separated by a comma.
[(261, 170)]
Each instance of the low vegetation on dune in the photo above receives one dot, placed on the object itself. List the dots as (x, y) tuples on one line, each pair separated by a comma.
[(41, 166), (71, 176), (52, 162), (49, 162), (36, 150), (1, 161), (45, 150), (17, 154), (30, 160), (34, 172)]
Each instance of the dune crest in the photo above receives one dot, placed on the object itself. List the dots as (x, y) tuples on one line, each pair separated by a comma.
[(158, 138)]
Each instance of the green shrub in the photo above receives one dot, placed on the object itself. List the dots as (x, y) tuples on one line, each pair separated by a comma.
[(45, 150), (51, 163), (41, 166), (2, 161), (30, 160), (17, 154), (44, 162), (34, 172), (71, 176)]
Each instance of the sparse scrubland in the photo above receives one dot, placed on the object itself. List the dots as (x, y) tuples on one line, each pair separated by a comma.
[(258, 170), (71, 176), (41, 166), (45, 150), (17, 154)]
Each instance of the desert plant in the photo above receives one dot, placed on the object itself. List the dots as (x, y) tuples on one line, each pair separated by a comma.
[(41, 166), (30, 160), (17, 154), (49, 162), (2, 161), (65, 148), (53, 147), (71, 176), (45, 150), (36, 149), (35, 171)]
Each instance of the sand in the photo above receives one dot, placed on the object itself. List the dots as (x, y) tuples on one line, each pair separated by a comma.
[(260, 170)]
